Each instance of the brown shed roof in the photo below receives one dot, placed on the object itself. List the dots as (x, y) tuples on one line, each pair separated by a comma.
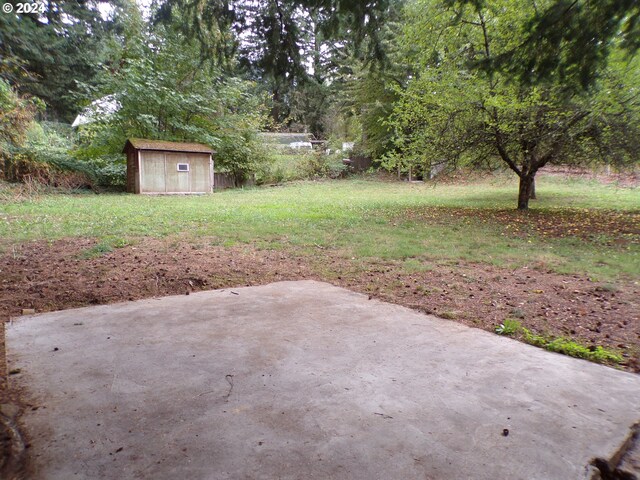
[(142, 144)]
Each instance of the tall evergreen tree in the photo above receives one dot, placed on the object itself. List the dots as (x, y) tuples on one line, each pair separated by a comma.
[(286, 45), (46, 54), (567, 40)]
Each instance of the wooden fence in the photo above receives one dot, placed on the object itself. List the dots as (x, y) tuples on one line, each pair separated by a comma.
[(222, 181), (358, 163)]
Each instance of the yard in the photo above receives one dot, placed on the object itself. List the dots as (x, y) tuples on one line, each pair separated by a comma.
[(563, 275)]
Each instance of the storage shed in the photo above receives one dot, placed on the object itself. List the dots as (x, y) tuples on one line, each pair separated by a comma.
[(155, 166)]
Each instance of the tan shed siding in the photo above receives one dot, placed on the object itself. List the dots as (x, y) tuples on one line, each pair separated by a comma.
[(152, 172), (177, 182), (156, 171), (200, 177)]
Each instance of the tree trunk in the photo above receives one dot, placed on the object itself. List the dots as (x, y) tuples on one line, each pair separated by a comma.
[(532, 195), (275, 107), (526, 183)]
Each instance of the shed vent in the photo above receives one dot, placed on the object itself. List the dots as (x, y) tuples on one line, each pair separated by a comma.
[(183, 167)]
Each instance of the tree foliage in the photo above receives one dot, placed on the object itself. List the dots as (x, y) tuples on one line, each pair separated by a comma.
[(566, 40), (46, 54), (455, 112), (16, 115), (163, 89), (287, 46)]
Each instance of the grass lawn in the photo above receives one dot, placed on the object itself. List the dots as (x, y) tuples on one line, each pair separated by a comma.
[(575, 226)]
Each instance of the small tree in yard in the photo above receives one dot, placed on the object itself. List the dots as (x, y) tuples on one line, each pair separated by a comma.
[(454, 109)]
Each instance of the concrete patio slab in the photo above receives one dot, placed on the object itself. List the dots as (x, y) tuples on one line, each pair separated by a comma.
[(304, 380)]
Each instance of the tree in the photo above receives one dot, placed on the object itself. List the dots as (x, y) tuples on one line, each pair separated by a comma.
[(214, 22), (45, 54), (569, 40), (455, 111), (286, 46), (164, 90), (16, 115)]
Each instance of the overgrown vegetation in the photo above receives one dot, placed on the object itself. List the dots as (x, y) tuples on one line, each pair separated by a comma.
[(311, 165)]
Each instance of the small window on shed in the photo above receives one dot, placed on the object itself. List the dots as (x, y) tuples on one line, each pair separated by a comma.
[(183, 167)]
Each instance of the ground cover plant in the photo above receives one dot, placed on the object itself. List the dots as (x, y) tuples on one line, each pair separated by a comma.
[(568, 269)]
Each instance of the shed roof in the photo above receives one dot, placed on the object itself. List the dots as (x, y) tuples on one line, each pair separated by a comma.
[(143, 144)]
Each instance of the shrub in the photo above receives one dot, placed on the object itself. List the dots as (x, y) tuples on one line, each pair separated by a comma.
[(319, 165), (48, 158)]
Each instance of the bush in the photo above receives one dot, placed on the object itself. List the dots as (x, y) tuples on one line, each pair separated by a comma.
[(108, 170), (241, 155), (46, 158), (319, 165), (287, 167)]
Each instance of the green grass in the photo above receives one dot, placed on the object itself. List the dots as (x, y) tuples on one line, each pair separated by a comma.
[(358, 218), (565, 346), (106, 245)]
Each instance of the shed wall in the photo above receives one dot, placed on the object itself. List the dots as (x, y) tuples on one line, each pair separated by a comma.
[(133, 173), (152, 176), (176, 181), (200, 167), (159, 172)]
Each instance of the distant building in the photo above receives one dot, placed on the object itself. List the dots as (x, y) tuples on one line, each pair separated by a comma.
[(287, 140), (104, 106), (301, 145), (347, 146)]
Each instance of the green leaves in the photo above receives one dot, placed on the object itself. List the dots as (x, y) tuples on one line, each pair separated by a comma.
[(16, 115), (163, 90), (454, 111)]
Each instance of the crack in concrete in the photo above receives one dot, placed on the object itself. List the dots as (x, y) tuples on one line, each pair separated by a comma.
[(229, 379)]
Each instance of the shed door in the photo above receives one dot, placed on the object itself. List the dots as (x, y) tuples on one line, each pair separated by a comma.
[(152, 172), (178, 180)]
